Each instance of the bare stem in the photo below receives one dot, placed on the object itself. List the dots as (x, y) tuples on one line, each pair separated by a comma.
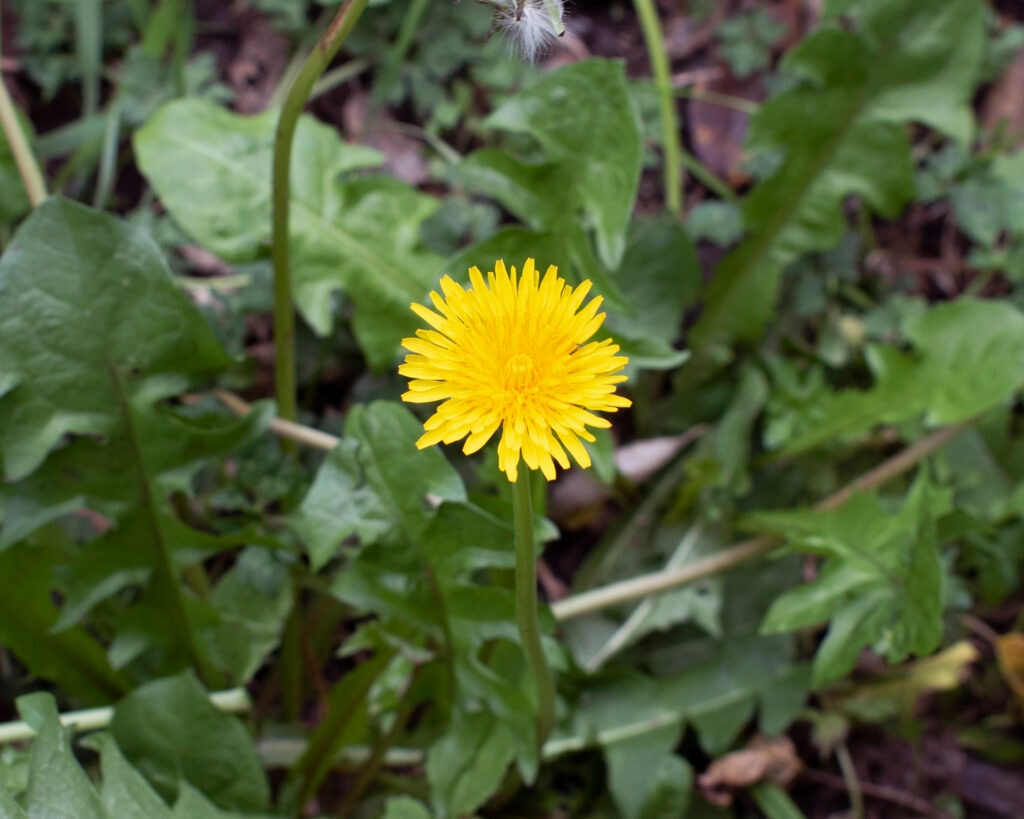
[(638, 587), (658, 57), (28, 168), (526, 605), (284, 317)]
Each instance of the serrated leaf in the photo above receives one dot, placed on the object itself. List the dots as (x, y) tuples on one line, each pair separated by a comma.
[(98, 338), (172, 733), (86, 303), (374, 484), (881, 585), (841, 132), (73, 658), (583, 119), (968, 357), (360, 236)]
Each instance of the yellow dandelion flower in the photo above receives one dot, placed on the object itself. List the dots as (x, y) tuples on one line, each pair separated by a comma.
[(511, 353)]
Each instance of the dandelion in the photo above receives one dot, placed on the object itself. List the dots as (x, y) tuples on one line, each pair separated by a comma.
[(512, 353), (532, 26)]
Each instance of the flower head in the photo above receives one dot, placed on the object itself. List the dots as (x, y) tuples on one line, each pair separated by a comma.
[(530, 25), (511, 353)]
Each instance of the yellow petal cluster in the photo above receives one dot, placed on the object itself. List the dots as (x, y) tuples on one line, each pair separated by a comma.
[(512, 353)]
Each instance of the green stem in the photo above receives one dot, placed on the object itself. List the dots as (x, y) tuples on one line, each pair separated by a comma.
[(526, 605), (658, 58), (284, 317), (31, 177)]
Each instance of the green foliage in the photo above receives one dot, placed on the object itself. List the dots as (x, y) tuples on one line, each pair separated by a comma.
[(172, 733), (582, 119), (967, 358), (98, 339), (359, 235), (782, 339), (881, 583), (746, 40), (839, 132), (58, 786)]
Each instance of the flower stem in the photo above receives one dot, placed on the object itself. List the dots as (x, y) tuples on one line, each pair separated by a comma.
[(526, 605), (658, 57), (284, 317), (28, 168)]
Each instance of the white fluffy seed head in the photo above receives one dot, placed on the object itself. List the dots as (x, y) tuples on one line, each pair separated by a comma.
[(529, 25)]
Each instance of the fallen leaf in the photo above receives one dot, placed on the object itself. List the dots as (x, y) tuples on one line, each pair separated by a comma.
[(763, 760), (1010, 655)]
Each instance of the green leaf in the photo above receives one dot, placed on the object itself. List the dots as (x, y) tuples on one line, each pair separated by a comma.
[(405, 807), (9, 807), (125, 792), (252, 601), (98, 337), (659, 279), (374, 484), (881, 584), (72, 658), (86, 303), (173, 734), (583, 119), (968, 357), (360, 236), (57, 785), (841, 133), (775, 802), (466, 765)]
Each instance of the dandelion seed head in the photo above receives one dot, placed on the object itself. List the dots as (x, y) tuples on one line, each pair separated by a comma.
[(528, 26), (512, 353)]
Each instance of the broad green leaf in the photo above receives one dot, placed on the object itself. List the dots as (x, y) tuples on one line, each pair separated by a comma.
[(775, 802), (173, 734), (880, 585), (57, 785), (659, 278), (252, 601), (9, 807), (87, 304), (405, 807), (374, 484), (125, 792), (918, 84), (467, 764), (72, 658), (98, 338), (968, 357), (645, 778), (583, 119), (357, 235), (841, 133)]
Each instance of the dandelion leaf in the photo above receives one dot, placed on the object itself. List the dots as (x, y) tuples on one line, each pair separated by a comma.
[(356, 235), (839, 132)]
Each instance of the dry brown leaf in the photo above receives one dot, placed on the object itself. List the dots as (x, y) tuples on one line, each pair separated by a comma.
[(1004, 103), (1010, 655), (765, 759)]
